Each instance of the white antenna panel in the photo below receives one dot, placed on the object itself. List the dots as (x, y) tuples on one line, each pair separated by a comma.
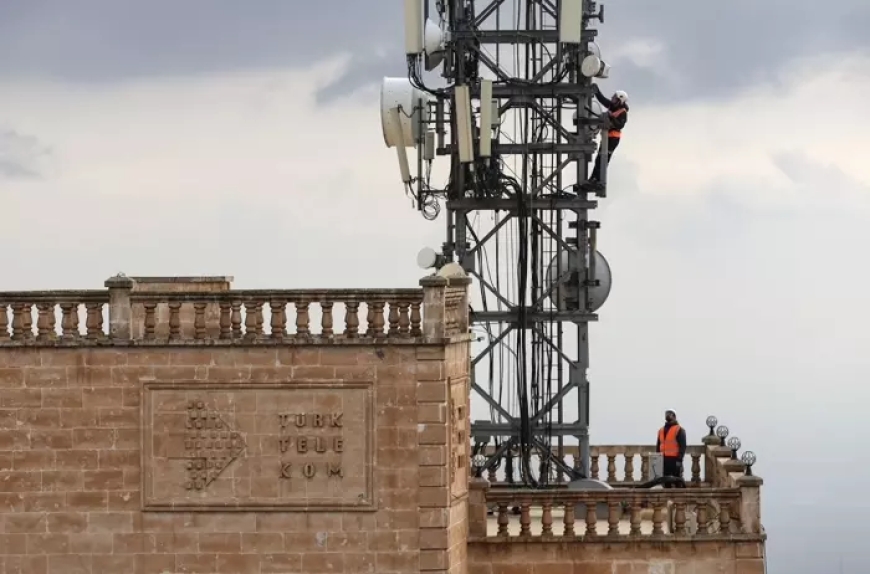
[(413, 27), (398, 92)]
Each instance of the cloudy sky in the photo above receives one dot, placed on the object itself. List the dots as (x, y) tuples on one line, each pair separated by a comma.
[(225, 137)]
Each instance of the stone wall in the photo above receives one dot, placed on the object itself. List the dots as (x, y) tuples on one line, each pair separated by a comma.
[(80, 494), (605, 557), (154, 448)]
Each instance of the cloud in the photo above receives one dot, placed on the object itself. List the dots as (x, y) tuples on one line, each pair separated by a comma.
[(702, 50), (110, 40), (20, 155), (732, 295)]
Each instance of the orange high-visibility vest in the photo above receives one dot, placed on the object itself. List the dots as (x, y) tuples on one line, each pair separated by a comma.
[(616, 133), (668, 444)]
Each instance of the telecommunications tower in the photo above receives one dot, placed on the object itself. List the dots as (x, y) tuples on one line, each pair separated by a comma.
[(514, 112)]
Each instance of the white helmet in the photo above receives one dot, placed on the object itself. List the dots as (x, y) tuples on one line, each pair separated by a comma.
[(621, 96)]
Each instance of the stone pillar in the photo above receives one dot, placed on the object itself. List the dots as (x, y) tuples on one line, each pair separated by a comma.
[(710, 460), (433, 451), (120, 312), (750, 503), (434, 291), (477, 523)]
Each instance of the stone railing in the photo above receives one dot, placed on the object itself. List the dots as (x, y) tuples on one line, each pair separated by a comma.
[(621, 513), (618, 465), (438, 310)]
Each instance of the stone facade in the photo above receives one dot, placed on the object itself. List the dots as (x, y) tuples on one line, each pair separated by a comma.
[(156, 446), (180, 426)]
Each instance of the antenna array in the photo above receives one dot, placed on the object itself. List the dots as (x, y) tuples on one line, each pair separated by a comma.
[(513, 111)]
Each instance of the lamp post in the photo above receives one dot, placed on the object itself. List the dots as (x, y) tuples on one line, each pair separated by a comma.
[(734, 445), (748, 459), (722, 433), (711, 424)]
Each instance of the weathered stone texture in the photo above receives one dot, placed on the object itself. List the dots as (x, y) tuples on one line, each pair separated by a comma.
[(71, 467), (603, 557)]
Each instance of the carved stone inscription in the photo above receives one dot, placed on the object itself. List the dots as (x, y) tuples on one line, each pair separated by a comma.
[(257, 446)]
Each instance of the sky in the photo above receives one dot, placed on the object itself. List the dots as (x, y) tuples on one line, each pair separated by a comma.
[(227, 138)]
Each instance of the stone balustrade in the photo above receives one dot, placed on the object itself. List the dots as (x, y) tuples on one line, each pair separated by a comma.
[(613, 514), (618, 465), (123, 315)]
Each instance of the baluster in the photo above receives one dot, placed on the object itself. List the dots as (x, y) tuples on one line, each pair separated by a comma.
[(611, 468), (416, 320), (404, 319), (251, 308), (326, 320), (568, 519), (69, 321), (174, 320), (490, 475), (680, 519), (734, 514), (591, 519), (614, 511), (635, 518), (4, 323), (94, 321), (259, 316), (370, 319), (629, 468), (278, 320), (503, 519), (393, 318), (28, 321), (225, 321), (17, 321), (150, 320), (525, 518), (351, 319), (724, 518), (658, 518), (702, 517), (303, 320), (593, 466), (52, 323), (236, 319), (378, 325), (547, 519), (199, 320), (644, 467), (696, 468)]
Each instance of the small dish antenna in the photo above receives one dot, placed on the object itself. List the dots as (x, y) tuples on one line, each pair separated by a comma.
[(433, 40), (428, 258), (566, 295), (594, 67)]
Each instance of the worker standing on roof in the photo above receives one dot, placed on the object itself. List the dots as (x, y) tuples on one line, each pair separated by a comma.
[(617, 113), (671, 444)]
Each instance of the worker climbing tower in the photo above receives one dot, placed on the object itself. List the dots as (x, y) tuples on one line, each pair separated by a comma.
[(503, 89)]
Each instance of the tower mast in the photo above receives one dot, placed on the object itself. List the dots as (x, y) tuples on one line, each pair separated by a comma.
[(517, 120)]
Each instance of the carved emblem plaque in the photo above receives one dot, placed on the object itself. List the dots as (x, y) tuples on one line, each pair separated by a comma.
[(257, 447)]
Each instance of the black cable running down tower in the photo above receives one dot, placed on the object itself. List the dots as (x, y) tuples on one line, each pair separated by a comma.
[(514, 112)]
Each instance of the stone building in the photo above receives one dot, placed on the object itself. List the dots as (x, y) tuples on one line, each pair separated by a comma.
[(176, 425)]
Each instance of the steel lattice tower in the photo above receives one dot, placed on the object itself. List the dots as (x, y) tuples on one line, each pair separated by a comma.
[(516, 120)]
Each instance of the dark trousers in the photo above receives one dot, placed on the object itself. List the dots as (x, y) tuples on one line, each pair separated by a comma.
[(612, 143), (673, 467)]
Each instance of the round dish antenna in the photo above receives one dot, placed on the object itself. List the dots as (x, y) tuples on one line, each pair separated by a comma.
[(594, 67), (427, 258), (566, 295), (433, 41), (413, 107)]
